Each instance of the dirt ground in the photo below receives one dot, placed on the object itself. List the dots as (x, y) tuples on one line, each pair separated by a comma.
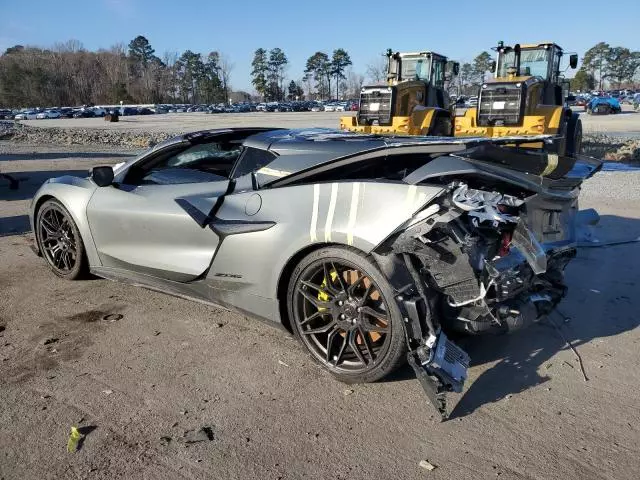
[(628, 121), (142, 386)]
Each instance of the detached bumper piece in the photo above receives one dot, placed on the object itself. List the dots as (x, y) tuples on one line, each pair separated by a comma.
[(441, 367)]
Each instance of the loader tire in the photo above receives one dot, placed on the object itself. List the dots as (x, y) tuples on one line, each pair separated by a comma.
[(574, 136)]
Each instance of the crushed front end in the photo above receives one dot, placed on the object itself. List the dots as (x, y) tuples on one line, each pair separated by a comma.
[(487, 256)]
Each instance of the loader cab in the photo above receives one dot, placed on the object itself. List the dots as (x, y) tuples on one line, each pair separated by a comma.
[(538, 65), (415, 81), (426, 67)]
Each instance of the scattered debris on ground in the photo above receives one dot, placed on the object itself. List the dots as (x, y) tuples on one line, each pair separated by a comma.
[(426, 465), (203, 434)]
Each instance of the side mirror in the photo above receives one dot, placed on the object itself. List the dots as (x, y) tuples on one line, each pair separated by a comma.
[(492, 66), (102, 176), (573, 60)]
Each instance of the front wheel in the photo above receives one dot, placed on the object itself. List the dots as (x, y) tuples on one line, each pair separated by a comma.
[(59, 241), (343, 311)]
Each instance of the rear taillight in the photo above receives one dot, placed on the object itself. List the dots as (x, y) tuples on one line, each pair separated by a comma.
[(505, 244)]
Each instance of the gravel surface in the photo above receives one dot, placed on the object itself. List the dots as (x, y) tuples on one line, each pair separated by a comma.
[(173, 389)]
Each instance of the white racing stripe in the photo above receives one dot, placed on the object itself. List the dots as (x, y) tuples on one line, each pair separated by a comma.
[(409, 204), (273, 172), (314, 213), (353, 212), (330, 213)]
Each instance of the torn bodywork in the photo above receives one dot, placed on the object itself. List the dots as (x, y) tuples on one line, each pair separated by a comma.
[(486, 256)]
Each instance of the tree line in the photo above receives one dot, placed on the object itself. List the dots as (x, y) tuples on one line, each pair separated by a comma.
[(604, 64), (68, 74), (269, 67)]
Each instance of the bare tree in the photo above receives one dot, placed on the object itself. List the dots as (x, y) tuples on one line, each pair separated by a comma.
[(377, 70), (354, 84), (226, 66), (170, 78), (70, 46)]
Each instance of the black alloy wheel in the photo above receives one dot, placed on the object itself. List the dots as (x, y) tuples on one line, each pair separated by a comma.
[(342, 310), (59, 241)]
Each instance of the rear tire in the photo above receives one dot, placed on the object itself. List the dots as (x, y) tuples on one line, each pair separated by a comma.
[(350, 324)]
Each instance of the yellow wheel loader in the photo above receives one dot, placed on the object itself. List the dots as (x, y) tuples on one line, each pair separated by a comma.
[(413, 102), (526, 97)]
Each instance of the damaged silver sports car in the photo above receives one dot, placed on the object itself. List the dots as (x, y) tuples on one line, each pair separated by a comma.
[(369, 249)]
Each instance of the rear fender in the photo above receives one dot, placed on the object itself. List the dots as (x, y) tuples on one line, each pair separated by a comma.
[(355, 214)]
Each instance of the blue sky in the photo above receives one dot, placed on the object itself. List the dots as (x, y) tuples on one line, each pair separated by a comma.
[(459, 29)]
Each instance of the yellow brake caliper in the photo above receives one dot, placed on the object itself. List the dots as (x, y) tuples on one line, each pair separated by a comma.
[(322, 295)]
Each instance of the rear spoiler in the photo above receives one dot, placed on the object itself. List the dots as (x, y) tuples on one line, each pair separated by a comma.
[(398, 145)]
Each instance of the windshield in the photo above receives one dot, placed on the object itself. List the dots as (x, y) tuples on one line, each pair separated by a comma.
[(415, 69), (532, 62)]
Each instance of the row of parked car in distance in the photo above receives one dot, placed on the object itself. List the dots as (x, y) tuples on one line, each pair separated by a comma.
[(95, 111), (68, 112)]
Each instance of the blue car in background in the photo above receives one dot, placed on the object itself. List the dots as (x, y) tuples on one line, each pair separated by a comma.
[(603, 106)]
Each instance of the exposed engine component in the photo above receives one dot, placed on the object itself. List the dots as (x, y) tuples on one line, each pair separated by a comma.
[(484, 206), (485, 271)]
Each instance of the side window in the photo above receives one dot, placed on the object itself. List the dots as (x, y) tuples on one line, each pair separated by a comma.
[(252, 160), (206, 162), (438, 73)]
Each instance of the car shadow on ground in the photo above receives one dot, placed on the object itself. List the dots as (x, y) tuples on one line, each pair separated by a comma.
[(17, 225), (30, 182), (597, 306)]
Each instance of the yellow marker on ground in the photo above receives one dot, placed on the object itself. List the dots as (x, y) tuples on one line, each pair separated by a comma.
[(74, 439)]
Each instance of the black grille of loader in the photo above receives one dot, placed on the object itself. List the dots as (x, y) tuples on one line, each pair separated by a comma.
[(500, 105), (375, 106)]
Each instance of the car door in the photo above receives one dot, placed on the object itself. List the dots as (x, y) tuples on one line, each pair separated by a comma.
[(143, 222)]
